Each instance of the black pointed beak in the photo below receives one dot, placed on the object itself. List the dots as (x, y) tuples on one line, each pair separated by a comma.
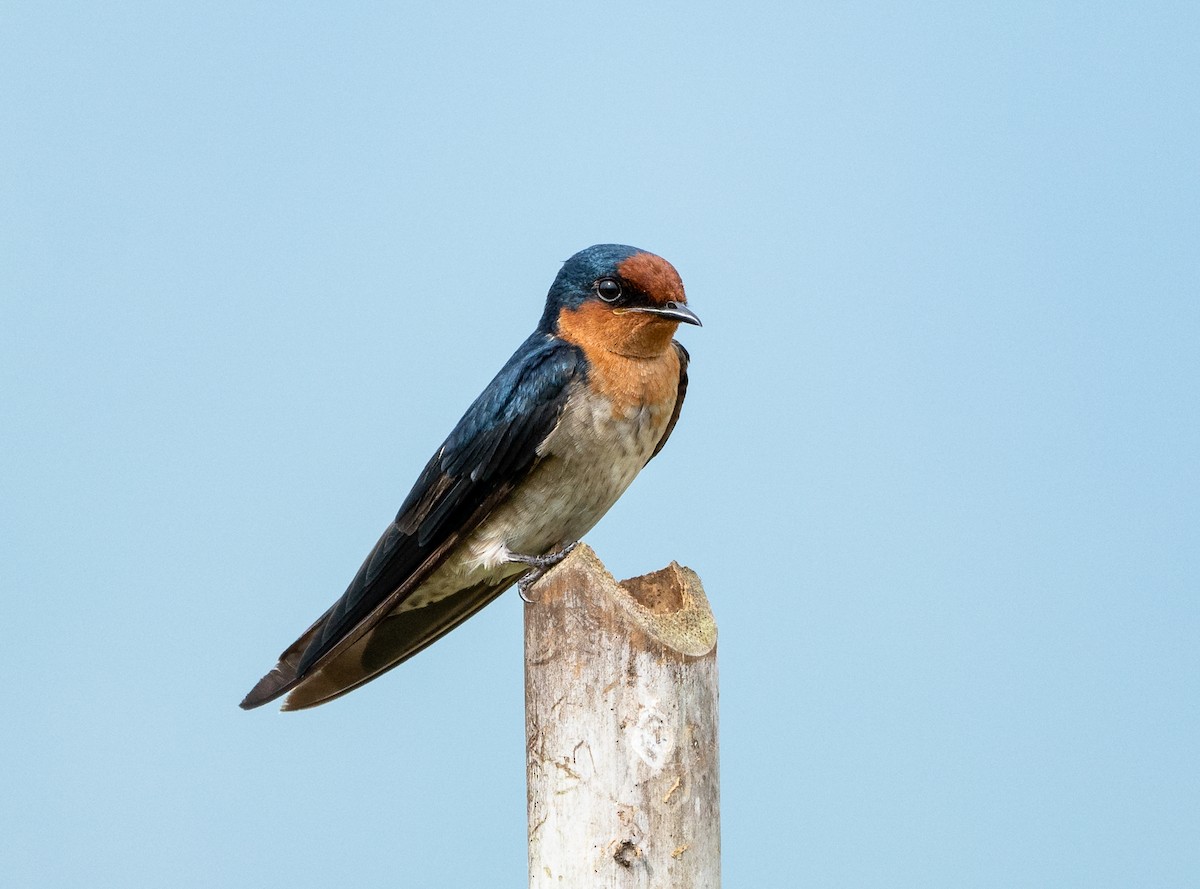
[(673, 310)]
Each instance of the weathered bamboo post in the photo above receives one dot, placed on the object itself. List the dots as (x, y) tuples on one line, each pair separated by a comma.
[(621, 730)]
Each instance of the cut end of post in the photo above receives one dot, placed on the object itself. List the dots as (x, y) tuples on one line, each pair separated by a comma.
[(659, 592), (668, 604)]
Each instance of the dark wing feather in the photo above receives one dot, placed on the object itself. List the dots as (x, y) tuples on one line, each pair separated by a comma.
[(388, 643), (684, 359), (490, 450)]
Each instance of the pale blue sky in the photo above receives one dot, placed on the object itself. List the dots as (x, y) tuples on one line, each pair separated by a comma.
[(938, 466)]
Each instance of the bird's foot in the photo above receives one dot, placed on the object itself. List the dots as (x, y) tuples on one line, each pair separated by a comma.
[(538, 565)]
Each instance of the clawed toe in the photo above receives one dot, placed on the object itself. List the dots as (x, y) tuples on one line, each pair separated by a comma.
[(539, 565), (527, 581)]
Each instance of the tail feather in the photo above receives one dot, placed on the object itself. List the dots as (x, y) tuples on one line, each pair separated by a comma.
[(285, 675), (388, 644)]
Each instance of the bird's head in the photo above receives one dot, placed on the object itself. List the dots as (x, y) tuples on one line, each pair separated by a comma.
[(617, 298)]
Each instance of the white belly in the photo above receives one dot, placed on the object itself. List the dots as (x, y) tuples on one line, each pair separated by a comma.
[(587, 463)]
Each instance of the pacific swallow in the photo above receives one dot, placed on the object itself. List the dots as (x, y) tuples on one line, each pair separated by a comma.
[(540, 456)]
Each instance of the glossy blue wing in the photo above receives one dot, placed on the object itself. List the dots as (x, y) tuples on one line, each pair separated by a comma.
[(491, 449)]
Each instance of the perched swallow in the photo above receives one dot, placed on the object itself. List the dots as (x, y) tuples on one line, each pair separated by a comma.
[(584, 403)]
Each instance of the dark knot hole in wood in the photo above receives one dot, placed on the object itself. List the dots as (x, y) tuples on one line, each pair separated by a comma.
[(626, 853)]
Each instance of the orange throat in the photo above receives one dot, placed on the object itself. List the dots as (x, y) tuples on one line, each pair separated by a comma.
[(630, 357), (595, 327)]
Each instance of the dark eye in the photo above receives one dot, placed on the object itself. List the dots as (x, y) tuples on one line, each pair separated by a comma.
[(608, 289)]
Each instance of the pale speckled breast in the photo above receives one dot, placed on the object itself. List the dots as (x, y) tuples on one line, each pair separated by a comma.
[(599, 445)]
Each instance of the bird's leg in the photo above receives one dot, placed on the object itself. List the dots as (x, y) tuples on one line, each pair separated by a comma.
[(538, 565)]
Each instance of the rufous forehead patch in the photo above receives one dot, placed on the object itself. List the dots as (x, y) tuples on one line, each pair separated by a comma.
[(654, 276)]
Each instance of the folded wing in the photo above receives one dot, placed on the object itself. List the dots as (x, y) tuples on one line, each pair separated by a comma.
[(491, 449)]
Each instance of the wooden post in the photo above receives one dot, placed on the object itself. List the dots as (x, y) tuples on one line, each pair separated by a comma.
[(621, 730)]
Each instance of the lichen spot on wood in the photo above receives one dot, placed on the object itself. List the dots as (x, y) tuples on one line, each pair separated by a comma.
[(652, 738)]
